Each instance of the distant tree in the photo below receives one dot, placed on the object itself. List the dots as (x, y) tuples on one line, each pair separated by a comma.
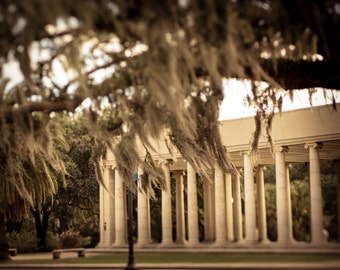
[(41, 214), (269, 174), (298, 171), (156, 217), (300, 199), (79, 190), (329, 195), (38, 169), (300, 209), (200, 202), (82, 189), (28, 172), (76, 205), (270, 195)]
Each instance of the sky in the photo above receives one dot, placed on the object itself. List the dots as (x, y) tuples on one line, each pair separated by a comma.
[(233, 106)]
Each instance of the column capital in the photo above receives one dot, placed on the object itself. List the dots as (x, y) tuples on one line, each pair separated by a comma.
[(282, 148), (108, 165), (166, 162), (261, 167), (240, 169), (288, 165), (315, 145), (178, 173), (245, 152)]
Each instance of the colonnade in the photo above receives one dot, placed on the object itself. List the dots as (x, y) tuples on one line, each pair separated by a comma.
[(224, 222)]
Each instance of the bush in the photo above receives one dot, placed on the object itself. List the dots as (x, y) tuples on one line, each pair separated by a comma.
[(23, 237), (51, 241), (25, 242), (69, 239), (85, 242)]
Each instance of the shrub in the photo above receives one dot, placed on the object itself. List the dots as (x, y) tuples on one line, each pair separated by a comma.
[(25, 241), (51, 241), (69, 239), (85, 242)]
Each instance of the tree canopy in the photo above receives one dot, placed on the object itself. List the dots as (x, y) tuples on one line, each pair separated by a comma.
[(146, 66)]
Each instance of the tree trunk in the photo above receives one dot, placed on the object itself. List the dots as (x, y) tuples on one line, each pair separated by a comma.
[(41, 226), (4, 254)]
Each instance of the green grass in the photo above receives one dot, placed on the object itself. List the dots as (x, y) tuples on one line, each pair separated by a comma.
[(199, 257)]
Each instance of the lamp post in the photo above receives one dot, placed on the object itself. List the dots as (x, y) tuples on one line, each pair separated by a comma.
[(131, 261)]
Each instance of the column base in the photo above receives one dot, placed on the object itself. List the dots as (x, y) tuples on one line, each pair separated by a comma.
[(103, 245), (287, 242), (220, 243), (265, 241), (193, 243), (252, 238), (318, 243), (166, 244), (181, 242), (321, 239), (239, 242), (251, 242), (142, 244), (121, 244)]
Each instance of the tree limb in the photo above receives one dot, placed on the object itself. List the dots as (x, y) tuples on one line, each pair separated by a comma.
[(292, 74), (44, 106)]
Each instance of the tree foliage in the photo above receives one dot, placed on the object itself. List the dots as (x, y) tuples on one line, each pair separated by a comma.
[(149, 66), (77, 203), (300, 199)]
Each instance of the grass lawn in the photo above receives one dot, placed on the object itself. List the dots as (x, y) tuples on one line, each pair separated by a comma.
[(199, 257)]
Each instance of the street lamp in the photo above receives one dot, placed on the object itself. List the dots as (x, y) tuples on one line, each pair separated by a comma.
[(131, 261)]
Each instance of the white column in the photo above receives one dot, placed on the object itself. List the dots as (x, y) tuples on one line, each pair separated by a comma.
[(338, 195), (229, 207), (112, 219), (209, 217), (192, 206), (166, 207), (120, 211), (143, 215), (315, 194), (290, 214), (102, 218), (180, 222), (104, 241), (261, 204), (238, 228), (220, 208), (249, 200), (284, 230), (107, 211)]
